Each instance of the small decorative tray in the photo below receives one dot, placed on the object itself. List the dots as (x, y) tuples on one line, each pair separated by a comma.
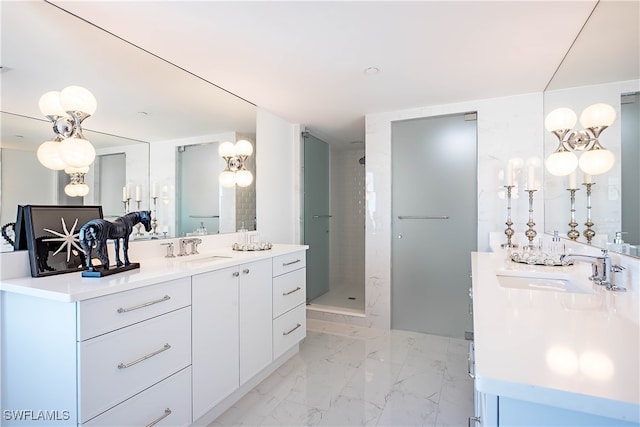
[(538, 259), (259, 246)]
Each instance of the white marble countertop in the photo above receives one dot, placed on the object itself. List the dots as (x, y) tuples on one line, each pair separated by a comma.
[(579, 351), (70, 287)]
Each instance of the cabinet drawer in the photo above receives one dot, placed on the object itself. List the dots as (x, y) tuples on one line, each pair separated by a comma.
[(115, 366), (97, 316), (289, 291), (285, 263), (289, 329), (168, 403)]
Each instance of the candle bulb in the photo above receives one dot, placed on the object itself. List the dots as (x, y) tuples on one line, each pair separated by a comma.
[(154, 190), (587, 178), (572, 180), (509, 176), (128, 187), (124, 194), (138, 193)]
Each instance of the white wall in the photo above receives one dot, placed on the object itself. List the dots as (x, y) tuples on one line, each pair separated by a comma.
[(277, 178), (507, 127)]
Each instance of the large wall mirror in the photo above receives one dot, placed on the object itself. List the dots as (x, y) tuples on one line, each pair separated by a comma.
[(146, 108), (602, 66)]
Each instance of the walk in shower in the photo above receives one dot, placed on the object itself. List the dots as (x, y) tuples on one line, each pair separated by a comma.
[(334, 218)]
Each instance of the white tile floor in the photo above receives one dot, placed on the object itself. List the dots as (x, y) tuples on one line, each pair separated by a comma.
[(338, 300), (350, 376)]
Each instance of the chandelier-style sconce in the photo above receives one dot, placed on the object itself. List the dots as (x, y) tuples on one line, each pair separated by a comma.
[(236, 156), (69, 150), (595, 159)]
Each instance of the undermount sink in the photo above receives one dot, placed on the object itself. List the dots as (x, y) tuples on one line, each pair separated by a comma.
[(554, 283), (205, 259)]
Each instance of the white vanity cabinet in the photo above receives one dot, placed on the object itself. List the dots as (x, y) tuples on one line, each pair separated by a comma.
[(84, 361), (289, 298), (231, 331)]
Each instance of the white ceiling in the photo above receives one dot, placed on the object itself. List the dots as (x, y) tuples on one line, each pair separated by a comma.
[(305, 60)]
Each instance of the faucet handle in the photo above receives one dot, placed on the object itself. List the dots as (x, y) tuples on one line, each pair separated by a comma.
[(169, 250), (615, 269)]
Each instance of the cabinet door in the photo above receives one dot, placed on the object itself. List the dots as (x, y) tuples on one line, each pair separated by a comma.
[(255, 318), (215, 338)]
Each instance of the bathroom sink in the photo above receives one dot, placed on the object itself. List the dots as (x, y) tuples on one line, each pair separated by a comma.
[(205, 259), (554, 283)]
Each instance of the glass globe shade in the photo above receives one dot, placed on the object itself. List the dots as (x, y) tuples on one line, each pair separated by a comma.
[(49, 155), (244, 148), (49, 104), (597, 162), (76, 98), (227, 149), (244, 178), (598, 115), (227, 179), (561, 163), (71, 190), (560, 118), (77, 152)]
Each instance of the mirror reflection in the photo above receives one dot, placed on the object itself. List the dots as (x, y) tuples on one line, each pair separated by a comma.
[(605, 204), (146, 107)]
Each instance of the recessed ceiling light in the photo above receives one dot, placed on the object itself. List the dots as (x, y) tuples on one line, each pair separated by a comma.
[(371, 70)]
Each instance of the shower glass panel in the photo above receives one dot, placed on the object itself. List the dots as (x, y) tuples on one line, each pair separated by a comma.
[(198, 194), (317, 215), (111, 171), (434, 224)]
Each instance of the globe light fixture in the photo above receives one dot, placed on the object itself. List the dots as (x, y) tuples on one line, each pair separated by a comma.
[(595, 159), (235, 156), (70, 150)]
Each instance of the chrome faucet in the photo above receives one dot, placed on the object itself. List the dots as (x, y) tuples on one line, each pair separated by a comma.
[(194, 246), (602, 272)]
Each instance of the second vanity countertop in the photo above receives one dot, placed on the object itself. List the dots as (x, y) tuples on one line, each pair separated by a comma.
[(580, 351), (71, 287)]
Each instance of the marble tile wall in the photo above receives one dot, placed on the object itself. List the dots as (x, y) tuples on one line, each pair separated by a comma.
[(508, 127), (347, 224)]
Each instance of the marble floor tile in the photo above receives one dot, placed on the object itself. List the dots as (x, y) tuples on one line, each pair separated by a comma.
[(346, 375)]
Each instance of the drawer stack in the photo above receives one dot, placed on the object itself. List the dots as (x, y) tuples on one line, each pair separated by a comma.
[(289, 298), (134, 356)]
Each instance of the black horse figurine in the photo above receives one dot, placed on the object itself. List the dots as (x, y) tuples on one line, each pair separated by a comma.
[(97, 231)]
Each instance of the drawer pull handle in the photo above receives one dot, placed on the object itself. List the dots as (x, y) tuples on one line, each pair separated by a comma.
[(287, 333), (236, 274), (284, 294), (167, 412), (146, 304), (123, 365), (245, 271), (284, 264)]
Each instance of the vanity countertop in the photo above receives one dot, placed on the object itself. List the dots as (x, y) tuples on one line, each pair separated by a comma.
[(71, 287), (579, 351)]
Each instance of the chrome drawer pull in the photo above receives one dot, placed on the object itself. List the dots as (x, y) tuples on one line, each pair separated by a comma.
[(167, 412), (287, 333), (236, 274), (123, 365), (146, 304), (284, 264), (284, 294), (245, 271)]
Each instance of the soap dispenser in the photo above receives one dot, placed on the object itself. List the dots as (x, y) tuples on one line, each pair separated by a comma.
[(556, 249), (618, 244)]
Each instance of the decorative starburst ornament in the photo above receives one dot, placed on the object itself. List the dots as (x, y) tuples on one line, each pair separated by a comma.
[(68, 239)]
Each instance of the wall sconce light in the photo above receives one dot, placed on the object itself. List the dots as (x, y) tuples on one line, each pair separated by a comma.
[(595, 159), (236, 156), (69, 150)]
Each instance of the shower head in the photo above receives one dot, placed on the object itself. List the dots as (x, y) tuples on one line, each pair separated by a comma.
[(361, 160)]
